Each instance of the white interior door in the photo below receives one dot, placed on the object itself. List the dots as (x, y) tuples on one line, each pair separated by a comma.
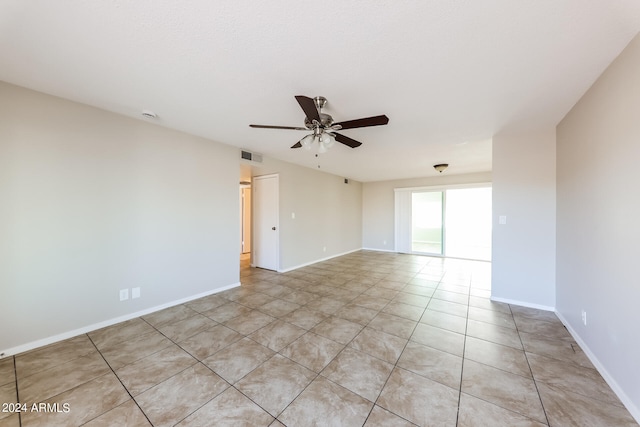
[(265, 215)]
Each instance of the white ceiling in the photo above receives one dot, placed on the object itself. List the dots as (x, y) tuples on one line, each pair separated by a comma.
[(448, 74)]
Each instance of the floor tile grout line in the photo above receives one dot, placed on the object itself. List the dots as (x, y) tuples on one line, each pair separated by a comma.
[(147, 355), (198, 361), (533, 352), (341, 351), (166, 379), (342, 286), (535, 383), (395, 364), (15, 376), (63, 363), (120, 381), (464, 346), (503, 370), (278, 352), (205, 403), (310, 382), (464, 358), (297, 395)]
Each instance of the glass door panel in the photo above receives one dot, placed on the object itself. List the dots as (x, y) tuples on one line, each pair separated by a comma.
[(427, 222), (468, 223)]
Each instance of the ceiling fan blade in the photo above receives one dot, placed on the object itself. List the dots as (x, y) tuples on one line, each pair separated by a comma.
[(347, 141), (297, 145), (277, 127), (361, 123), (309, 107)]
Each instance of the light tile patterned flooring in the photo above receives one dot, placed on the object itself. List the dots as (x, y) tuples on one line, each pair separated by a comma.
[(369, 338)]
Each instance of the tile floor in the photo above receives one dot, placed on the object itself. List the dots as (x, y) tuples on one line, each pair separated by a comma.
[(369, 338)]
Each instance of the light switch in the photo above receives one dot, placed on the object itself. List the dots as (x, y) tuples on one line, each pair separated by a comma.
[(502, 219), (293, 215)]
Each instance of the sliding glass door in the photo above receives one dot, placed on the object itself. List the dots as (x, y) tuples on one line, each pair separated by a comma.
[(454, 222)]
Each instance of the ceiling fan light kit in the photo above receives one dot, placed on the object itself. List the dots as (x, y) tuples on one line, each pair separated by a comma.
[(307, 141), (323, 127)]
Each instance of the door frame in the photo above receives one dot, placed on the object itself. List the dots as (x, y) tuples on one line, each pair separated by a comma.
[(402, 215), (256, 216), (245, 211)]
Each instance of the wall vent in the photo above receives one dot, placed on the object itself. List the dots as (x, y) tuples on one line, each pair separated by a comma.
[(248, 155)]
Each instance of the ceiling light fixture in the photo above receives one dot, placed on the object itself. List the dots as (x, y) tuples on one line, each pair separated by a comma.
[(324, 139), (441, 167)]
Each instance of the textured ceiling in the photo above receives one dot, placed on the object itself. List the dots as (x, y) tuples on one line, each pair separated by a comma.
[(448, 74)]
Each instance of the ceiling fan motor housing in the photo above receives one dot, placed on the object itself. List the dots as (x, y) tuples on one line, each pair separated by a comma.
[(325, 121)]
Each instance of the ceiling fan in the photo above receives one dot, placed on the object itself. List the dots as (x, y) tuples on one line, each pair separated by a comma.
[(323, 127)]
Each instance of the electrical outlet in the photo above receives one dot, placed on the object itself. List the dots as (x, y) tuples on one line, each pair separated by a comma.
[(124, 294), (135, 293), (584, 317), (384, 242), (324, 249)]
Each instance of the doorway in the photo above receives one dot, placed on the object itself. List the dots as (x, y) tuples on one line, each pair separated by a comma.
[(265, 247), (245, 223)]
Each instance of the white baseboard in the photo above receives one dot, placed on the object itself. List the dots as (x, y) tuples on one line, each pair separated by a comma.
[(631, 406), (95, 326), (523, 304), (379, 250), (318, 260)]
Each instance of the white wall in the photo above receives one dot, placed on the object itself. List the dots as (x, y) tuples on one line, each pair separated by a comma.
[(378, 205), (523, 257), (92, 202), (598, 229), (328, 213)]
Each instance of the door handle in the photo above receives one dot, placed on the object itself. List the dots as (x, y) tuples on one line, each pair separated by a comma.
[(273, 228)]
